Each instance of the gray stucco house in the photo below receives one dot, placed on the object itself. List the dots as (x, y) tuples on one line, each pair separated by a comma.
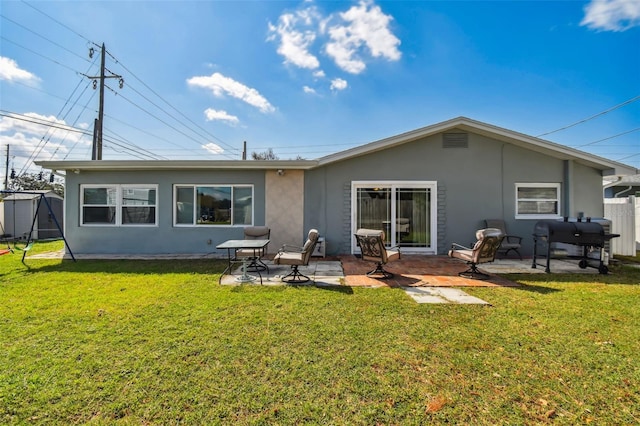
[(427, 188)]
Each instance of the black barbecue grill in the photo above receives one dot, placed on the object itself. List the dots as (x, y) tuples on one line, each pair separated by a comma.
[(589, 235)]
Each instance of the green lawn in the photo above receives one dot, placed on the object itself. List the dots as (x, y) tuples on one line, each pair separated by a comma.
[(150, 342)]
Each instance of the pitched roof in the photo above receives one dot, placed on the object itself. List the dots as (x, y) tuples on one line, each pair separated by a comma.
[(608, 167), (466, 124)]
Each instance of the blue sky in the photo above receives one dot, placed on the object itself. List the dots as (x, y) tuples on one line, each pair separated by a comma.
[(310, 78)]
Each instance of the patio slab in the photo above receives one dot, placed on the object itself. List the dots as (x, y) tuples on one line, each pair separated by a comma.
[(321, 273), (442, 295), (417, 271), (442, 271)]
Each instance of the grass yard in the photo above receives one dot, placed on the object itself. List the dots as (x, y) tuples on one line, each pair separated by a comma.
[(151, 342)]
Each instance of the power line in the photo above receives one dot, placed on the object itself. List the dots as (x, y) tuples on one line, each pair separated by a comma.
[(39, 54), (207, 139), (156, 137), (41, 145), (161, 109), (170, 105), (41, 122), (58, 22), (84, 108), (139, 152), (157, 118), (43, 37), (610, 137), (138, 149), (592, 117)]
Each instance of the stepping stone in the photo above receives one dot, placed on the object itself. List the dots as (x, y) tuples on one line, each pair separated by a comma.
[(442, 295)]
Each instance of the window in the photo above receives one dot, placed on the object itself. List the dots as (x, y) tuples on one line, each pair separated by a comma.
[(119, 205), (405, 211), (537, 200), (213, 205)]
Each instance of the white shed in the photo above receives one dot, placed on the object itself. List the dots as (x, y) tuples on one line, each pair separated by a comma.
[(20, 209)]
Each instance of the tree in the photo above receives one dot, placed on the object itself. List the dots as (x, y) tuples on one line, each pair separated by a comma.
[(269, 155), (36, 182), (266, 155)]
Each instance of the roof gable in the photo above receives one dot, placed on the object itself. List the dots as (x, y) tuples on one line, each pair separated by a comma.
[(472, 126)]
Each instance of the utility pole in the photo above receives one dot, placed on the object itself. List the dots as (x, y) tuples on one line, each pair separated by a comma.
[(6, 171), (96, 152)]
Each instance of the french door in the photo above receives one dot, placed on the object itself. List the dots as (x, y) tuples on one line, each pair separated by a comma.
[(405, 211)]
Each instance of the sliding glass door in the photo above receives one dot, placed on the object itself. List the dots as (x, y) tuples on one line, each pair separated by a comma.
[(405, 211)]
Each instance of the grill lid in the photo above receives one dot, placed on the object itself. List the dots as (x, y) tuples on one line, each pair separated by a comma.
[(585, 233)]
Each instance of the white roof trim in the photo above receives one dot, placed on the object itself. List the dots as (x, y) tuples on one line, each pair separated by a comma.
[(178, 165)]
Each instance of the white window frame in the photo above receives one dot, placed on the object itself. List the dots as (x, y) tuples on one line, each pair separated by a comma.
[(393, 185), (558, 200), (120, 190), (195, 202)]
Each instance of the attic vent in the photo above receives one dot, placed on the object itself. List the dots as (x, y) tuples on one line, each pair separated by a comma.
[(455, 140)]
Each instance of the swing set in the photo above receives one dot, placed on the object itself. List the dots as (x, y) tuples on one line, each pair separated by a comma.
[(29, 243)]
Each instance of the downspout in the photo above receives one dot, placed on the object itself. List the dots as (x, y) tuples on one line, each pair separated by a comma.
[(502, 179), (619, 194), (566, 196)]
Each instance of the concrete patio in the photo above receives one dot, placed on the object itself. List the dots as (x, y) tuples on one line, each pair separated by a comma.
[(410, 271)]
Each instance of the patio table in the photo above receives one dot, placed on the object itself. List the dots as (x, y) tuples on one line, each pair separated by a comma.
[(247, 262)]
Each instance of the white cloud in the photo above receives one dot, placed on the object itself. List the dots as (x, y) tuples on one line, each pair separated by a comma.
[(612, 15), (32, 123), (10, 71), (349, 38), (338, 84), (364, 25), (221, 85), (213, 148), (308, 89), (215, 115), (25, 136), (294, 42)]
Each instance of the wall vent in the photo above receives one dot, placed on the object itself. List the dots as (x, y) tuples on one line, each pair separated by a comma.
[(455, 140)]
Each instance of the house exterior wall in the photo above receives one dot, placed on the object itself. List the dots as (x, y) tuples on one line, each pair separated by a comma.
[(474, 184), (587, 193), (285, 208), (164, 237)]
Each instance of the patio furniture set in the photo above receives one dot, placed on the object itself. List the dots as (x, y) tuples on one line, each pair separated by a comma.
[(248, 253)]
